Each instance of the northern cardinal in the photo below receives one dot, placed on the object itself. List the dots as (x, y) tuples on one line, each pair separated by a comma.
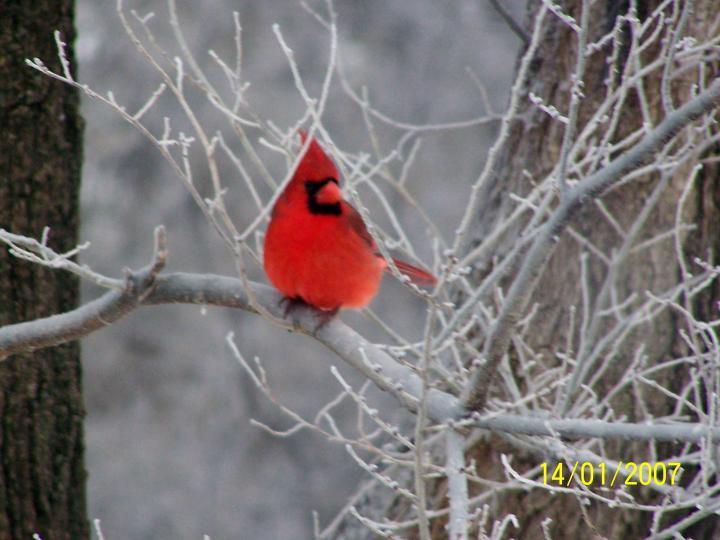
[(317, 248)]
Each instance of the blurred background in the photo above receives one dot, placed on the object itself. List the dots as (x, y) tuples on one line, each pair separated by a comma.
[(170, 449)]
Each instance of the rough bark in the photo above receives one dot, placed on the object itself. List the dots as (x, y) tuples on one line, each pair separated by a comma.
[(535, 147), (42, 478)]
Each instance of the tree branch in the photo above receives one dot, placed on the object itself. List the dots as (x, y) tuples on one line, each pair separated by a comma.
[(146, 288), (511, 22), (457, 486), (374, 363), (475, 395), (583, 428), (113, 305)]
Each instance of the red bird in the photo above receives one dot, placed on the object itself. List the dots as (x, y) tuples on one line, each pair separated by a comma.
[(317, 248)]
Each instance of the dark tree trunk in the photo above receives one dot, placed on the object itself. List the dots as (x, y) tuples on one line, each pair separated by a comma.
[(42, 478)]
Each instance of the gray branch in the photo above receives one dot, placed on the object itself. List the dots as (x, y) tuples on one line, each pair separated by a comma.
[(146, 288), (75, 324), (582, 428), (476, 393), (374, 363)]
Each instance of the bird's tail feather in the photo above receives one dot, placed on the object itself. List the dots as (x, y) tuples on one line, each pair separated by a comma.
[(417, 275)]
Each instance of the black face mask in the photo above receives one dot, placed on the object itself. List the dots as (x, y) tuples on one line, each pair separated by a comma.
[(312, 187)]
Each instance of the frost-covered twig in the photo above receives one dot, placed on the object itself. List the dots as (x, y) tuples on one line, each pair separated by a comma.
[(592, 186)]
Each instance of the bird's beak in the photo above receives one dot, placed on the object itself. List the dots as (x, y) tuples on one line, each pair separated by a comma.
[(329, 194)]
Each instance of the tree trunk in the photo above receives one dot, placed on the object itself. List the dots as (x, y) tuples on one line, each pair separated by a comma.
[(534, 148), (42, 478)]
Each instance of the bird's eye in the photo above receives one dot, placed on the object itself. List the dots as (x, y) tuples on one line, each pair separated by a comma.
[(313, 186)]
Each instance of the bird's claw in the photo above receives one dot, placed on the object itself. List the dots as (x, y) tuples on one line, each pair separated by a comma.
[(290, 305), (323, 316)]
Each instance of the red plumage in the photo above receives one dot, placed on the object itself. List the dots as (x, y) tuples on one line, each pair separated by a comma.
[(317, 248)]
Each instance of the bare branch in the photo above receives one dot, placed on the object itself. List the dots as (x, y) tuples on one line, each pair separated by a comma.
[(496, 345), (41, 333), (147, 288), (581, 428), (457, 485), (511, 22)]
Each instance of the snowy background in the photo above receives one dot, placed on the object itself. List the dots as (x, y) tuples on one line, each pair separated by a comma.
[(170, 450)]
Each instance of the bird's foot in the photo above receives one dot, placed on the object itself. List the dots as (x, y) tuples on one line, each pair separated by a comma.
[(324, 316), (290, 306)]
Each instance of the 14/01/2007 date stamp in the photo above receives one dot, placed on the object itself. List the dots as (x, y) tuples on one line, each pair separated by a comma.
[(627, 473)]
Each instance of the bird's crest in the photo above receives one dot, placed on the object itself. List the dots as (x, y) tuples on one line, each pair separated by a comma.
[(315, 163)]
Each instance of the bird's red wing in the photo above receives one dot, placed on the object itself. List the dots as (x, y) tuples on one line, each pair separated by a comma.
[(357, 224), (417, 275)]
